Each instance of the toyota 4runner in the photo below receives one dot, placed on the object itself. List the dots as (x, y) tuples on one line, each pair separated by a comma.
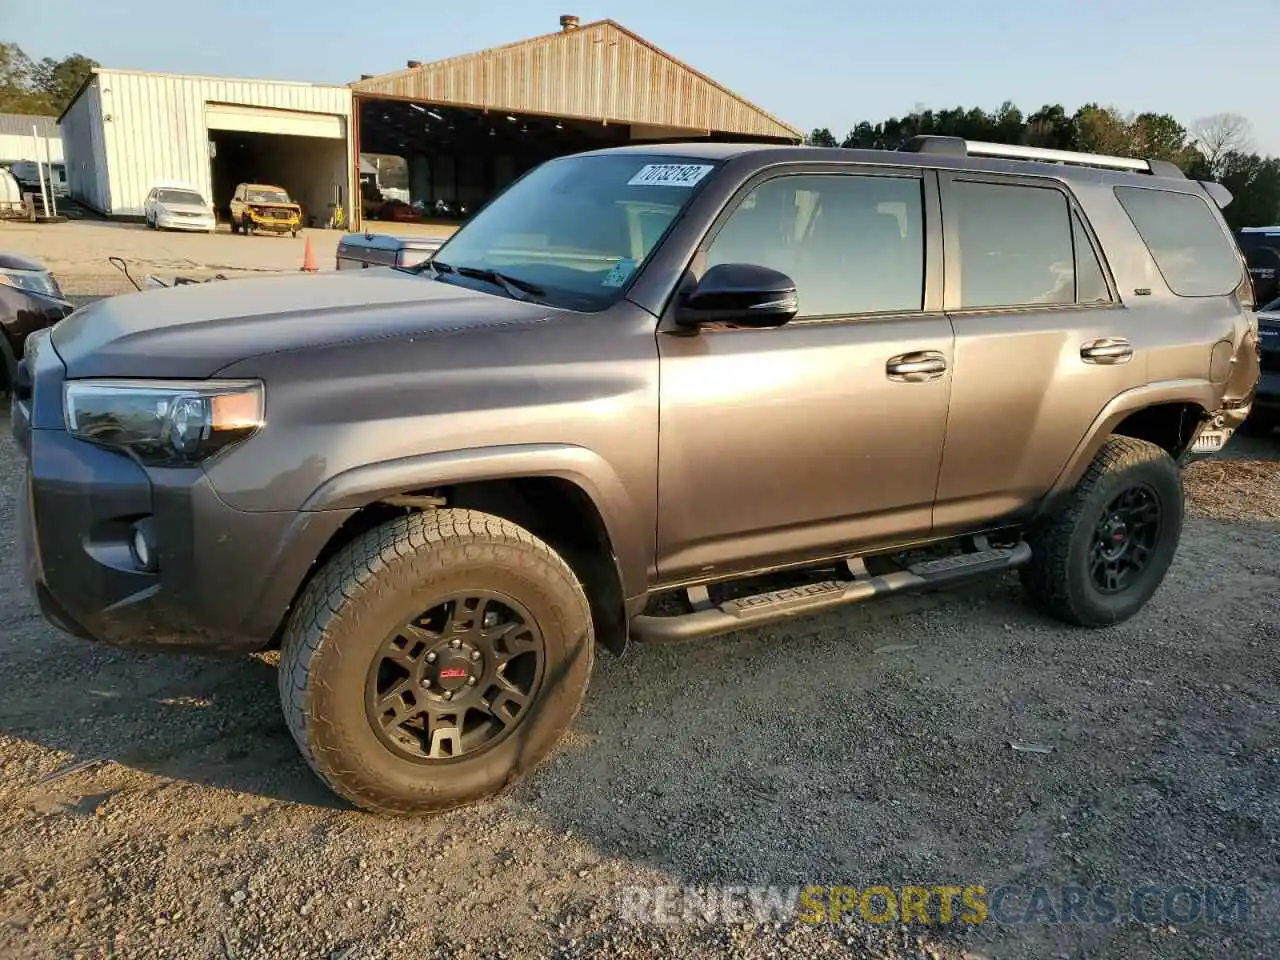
[(662, 392)]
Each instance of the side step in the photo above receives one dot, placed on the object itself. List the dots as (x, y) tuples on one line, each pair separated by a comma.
[(775, 605)]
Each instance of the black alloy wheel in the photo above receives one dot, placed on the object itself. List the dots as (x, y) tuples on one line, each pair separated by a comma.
[(457, 679), (1125, 539)]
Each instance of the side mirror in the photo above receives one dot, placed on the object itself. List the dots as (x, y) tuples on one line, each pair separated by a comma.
[(741, 294)]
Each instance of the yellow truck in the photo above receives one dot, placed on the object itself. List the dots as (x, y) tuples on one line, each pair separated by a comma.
[(261, 206)]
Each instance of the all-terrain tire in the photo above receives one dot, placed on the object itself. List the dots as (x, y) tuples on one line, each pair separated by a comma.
[(1058, 576), (386, 577)]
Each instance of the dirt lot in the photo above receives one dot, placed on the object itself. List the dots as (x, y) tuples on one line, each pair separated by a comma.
[(77, 251), (155, 806)]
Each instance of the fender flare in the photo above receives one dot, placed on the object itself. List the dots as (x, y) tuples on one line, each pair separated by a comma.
[(629, 540), (1200, 393)]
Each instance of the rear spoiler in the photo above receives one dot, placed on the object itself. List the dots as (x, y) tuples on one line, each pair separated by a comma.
[(1220, 194)]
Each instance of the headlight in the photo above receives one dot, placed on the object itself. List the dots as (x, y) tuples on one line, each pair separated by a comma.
[(36, 280), (164, 422)]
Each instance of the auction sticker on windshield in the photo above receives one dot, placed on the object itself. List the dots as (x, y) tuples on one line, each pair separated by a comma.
[(669, 175)]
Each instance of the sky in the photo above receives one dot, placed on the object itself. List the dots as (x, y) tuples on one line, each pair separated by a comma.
[(813, 64)]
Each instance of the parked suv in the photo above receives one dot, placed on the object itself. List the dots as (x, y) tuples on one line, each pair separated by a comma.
[(663, 392), (1265, 415)]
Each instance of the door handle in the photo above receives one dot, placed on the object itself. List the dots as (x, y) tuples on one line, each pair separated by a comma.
[(916, 367), (1106, 350)]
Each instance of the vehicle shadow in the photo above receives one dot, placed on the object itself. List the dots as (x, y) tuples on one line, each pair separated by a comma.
[(209, 721)]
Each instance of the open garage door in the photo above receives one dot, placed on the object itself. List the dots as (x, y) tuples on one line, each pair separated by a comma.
[(305, 153)]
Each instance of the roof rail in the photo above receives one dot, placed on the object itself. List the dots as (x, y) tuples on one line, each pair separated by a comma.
[(959, 147)]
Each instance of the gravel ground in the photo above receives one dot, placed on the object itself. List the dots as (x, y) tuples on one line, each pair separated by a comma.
[(155, 806)]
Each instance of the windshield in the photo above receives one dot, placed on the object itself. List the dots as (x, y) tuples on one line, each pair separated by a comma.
[(266, 196), (576, 228), (180, 196)]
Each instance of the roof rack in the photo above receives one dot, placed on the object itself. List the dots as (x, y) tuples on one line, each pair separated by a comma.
[(959, 147)]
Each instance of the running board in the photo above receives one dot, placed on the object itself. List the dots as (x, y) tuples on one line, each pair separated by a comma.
[(762, 608)]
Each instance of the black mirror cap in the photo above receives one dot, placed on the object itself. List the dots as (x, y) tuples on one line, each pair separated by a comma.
[(742, 295)]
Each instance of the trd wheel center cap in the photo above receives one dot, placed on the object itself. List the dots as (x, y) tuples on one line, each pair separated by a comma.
[(453, 670)]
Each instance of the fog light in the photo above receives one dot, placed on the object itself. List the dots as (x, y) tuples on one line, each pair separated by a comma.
[(144, 553)]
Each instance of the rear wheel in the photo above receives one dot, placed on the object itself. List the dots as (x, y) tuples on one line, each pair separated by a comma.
[(434, 661), (1105, 552)]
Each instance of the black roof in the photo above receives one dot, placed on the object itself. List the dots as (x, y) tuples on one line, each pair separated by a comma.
[(768, 154)]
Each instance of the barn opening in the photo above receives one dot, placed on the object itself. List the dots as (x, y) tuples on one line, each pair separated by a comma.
[(305, 153)]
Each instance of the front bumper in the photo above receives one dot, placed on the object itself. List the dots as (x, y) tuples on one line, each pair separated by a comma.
[(203, 224), (223, 580), (275, 223)]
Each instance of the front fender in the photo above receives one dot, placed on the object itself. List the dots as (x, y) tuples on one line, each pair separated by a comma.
[(578, 465)]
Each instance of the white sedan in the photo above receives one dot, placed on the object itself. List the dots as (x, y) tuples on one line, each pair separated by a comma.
[(178, 208)]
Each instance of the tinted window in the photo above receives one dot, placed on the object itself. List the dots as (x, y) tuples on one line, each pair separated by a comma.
[(1189, 247), (852, 244), (1091, 283), (578, 228), (180, 196), (1016, 244)]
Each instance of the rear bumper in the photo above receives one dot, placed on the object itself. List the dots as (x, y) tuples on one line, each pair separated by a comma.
[(223, 578)]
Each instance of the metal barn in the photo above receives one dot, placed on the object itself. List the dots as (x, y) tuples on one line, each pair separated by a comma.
[(126, 131)]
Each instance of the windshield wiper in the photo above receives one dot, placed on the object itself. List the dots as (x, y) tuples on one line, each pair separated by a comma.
[(516, 287), (435, 266)]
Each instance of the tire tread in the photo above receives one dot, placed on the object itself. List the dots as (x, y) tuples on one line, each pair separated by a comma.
[(1047, 578), (354, 570)]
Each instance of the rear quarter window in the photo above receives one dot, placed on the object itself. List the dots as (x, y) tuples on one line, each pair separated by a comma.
[(1191, 250)]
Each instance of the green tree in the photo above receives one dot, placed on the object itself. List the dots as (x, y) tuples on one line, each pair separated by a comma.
[(1254, 183), (60, 80), (39, 88), (16, 92), (821, 137)]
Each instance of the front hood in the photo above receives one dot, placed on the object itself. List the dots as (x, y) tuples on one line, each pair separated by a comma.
[(194, 330)]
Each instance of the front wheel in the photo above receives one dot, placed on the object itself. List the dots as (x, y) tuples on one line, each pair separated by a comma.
[(1105, 552), (434, 661)]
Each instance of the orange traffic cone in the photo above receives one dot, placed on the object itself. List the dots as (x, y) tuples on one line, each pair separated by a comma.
[(309, 259)]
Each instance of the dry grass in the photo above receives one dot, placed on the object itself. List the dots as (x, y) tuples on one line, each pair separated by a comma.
[(1234, 489)]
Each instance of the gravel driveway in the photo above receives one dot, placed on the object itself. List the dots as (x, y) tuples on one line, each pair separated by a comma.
[(155, 806)]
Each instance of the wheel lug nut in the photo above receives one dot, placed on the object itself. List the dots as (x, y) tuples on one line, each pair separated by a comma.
[(471, 681), (455, 643), (475, 654), (426, 681), (448, 694), (431, 657)]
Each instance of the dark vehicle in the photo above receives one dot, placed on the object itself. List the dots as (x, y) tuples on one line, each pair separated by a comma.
[(1261, 248), (360, 251), (661, 392), (1266, 405), (30, 300)]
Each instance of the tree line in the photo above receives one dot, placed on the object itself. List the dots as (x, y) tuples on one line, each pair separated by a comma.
[(39, 87), (1217, 147)]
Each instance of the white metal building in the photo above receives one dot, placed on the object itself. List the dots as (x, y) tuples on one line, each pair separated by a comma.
[(127, 130), (17, 143)]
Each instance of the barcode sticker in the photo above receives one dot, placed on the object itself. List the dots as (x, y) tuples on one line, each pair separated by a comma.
[(669, 175)]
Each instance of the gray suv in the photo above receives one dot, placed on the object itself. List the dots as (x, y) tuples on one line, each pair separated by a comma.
[(660, 392)]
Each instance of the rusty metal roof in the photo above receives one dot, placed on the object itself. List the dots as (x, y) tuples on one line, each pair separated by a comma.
[(598, 71)]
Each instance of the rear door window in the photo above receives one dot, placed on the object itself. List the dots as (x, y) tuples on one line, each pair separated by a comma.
[(1017, 246), (1186, 241)]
